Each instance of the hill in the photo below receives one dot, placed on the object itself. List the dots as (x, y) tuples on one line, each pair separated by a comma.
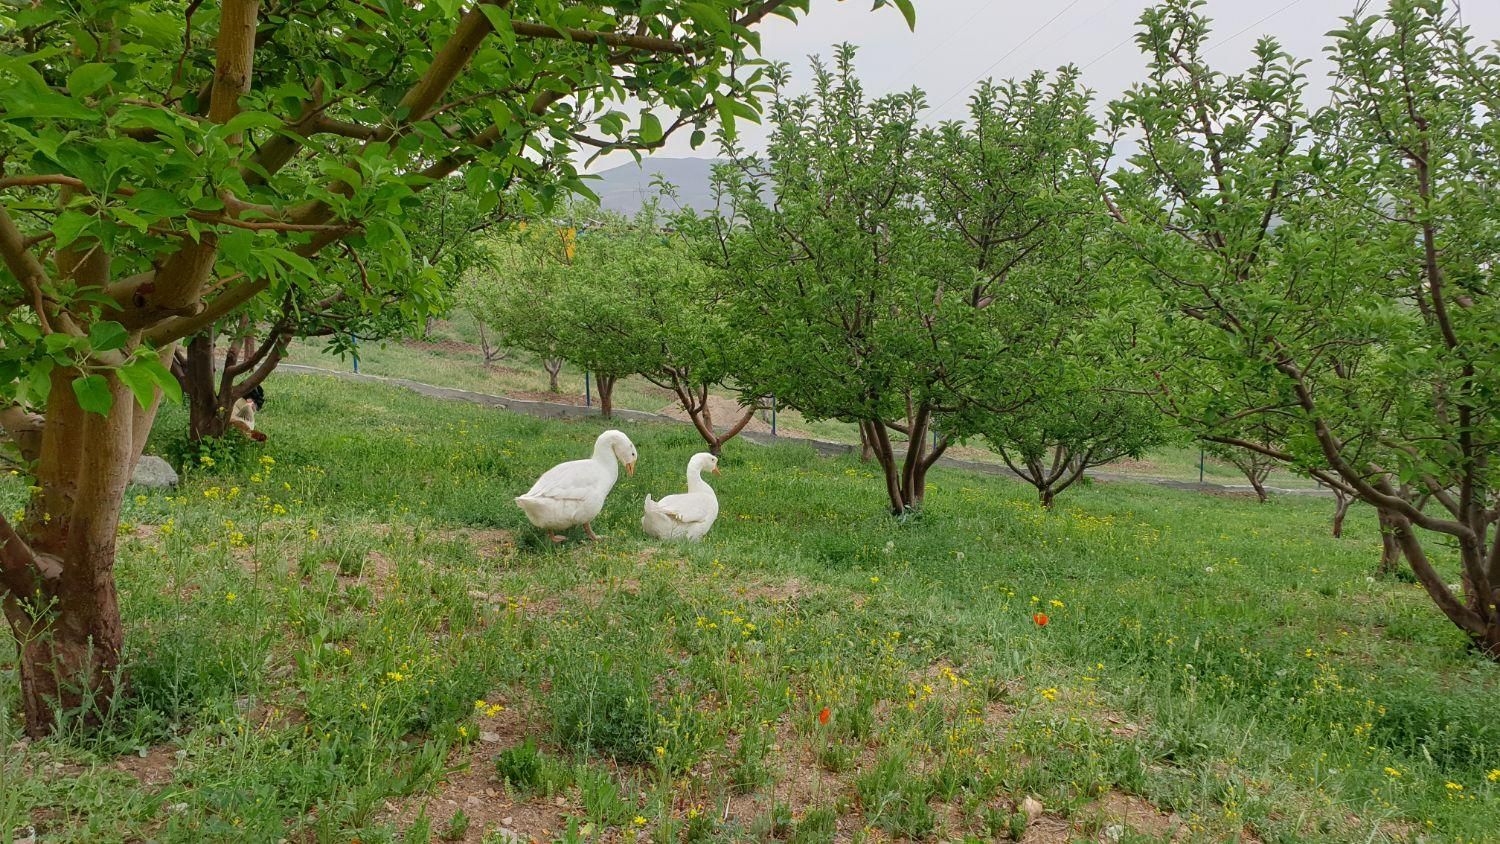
[(626, 187)]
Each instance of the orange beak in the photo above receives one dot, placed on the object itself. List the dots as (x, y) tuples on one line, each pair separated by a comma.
[(630, 469), (715, 470)]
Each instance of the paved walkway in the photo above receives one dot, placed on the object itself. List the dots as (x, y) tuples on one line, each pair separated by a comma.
[(555, 410)]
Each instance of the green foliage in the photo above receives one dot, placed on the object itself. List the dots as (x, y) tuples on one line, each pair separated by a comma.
[(1327, 277), (116, 148), (608, 295), (527, 768)]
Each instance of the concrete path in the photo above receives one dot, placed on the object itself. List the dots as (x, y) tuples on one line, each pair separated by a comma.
[(557, 410)]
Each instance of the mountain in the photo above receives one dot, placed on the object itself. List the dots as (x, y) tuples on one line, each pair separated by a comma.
[(626, 187)]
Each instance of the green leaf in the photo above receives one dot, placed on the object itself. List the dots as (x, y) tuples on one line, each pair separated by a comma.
[(909, 12), (107, 336), (56, 344), (725, 106), (69, 225), (251, 120), (88, 78), (651, 131), (170, 388), (93, 394), (138, 377)]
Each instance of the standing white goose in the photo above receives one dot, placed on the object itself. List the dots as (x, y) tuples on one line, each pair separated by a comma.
[(687, 515), (571, 494)]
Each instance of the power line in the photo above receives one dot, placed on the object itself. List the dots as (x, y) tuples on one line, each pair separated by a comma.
[(1081, 24), (1127, 39), (943, 43), (1253, 25), (1007, 55)]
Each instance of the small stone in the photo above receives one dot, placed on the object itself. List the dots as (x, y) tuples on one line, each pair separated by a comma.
[(489, 736), (507, 820), (25, 835), (561, 801), (471, 801), (490, 792), (1114, 832), (153, 472), (1031, 808), (177, 808)]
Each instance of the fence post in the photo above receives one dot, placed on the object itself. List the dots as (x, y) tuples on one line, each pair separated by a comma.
[(1200, 467), (354, 339), (773, 415), (588, 398)]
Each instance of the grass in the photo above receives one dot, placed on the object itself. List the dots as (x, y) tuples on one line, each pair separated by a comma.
[(351, 634)]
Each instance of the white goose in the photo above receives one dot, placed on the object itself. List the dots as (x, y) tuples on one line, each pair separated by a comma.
[(571, 494), (688, 515)]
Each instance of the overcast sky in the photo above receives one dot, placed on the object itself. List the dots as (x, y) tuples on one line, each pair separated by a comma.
[(957, 42)]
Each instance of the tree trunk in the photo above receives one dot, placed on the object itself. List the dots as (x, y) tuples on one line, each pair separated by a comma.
[(206, 418), (1047, 497), (606, 385), (212, 393), (1257, 482), (885, 455), (866, 450), (553, 367), (60, 597), (694, 402), (1390, 550), (1340, 510)]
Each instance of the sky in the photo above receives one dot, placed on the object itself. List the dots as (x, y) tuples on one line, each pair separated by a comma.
[(958, 42)]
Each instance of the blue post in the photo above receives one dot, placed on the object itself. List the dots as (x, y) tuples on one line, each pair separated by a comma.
[(354, 339), (773, 416), (588, 398), (1200, 467)]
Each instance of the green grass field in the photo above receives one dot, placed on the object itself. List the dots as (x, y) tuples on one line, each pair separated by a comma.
[(350, 634)]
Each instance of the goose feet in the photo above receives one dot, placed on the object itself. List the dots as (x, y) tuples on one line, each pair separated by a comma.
[(588, 531)]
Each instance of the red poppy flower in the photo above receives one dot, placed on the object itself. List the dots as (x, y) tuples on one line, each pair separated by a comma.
[(1040, 619), (823, 716)]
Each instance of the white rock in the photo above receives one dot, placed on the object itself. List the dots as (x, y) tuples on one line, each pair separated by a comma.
[(1031, 808), (488, 736), (1114, 832), (505, 835), (154, 472), (25, 835)]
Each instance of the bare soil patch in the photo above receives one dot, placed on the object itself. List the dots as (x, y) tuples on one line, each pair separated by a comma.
[(152, 769), (725, 413)]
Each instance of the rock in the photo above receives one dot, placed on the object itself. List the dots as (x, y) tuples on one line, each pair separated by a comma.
[(1114, 832), (1032, 809), (177, 808), (471, 801), (506, 835), (507, 820), (25, 835), (488, 736), (154, 472)]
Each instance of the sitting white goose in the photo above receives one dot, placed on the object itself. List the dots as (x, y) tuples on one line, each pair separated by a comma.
[(571, 494), (688, 515)]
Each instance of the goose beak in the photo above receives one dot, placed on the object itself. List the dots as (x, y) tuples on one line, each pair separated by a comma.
[(630, 469), (715, 470)]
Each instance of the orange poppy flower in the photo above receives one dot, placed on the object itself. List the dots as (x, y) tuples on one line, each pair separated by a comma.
[(823, 716), (1040, 619)]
